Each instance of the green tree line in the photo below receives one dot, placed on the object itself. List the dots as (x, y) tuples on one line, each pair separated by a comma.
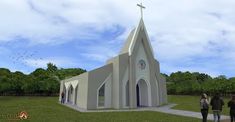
[(39, 82), (47, 82), (187, 83)]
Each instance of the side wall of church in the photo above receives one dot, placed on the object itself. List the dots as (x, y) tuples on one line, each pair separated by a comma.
[(96, 78), (120, 64), (115, 82), (123, 76), (162, 85), (158, 81), (125, 91), (82, 90), (164, 90), (61, 89)]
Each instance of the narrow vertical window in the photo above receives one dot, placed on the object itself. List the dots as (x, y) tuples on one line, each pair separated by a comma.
[(101, 96), (127, 93)]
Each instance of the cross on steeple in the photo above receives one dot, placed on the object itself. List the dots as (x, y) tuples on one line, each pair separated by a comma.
[(141, 8)]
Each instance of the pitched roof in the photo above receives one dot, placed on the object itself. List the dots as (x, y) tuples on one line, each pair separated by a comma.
[(126, 46), (130, 42)]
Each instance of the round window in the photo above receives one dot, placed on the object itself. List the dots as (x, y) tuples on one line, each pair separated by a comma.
[(142, 64)]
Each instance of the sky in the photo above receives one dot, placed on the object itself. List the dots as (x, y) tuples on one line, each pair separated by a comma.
[(186, 35)]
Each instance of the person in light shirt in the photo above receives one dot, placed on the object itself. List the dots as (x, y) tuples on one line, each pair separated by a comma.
[(204, 104)]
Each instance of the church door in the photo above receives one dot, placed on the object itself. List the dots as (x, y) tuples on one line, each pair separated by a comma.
[(137, 95), (141, 93)]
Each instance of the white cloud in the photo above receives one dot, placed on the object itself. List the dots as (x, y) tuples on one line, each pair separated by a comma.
[(180, 30), (50, 22), (58, 61), (99, 52)]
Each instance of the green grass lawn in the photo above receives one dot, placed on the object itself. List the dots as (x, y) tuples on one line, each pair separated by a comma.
[(191, 103), (46, 109)]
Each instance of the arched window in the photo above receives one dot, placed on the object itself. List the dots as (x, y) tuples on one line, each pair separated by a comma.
[(101, 96), (70, 94)]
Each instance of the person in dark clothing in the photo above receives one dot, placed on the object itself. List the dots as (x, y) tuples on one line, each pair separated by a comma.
[(231, 104), (204, 104), (217, 104), (62, 97)]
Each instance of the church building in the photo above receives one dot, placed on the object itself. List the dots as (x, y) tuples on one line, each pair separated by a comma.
[(131, 79)]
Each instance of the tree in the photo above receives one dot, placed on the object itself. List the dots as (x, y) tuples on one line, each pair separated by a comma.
[(196, 83), (70, 72), (40, 81), (46, 82), (232, 84), (201, 77), (51, 68), (17, 80)]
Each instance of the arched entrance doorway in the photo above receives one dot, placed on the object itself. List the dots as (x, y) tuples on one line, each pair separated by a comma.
[(141, 93), (70, 94), (63, 100)]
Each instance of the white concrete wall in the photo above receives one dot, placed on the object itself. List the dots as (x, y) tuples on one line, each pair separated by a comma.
[(158, 91), (82, 91), (77, 95), (141, 54), (143, 74), (163, 90), (115, 84), (70, 94), (108, 92), (61, 89), (124, 81), (96, 78)]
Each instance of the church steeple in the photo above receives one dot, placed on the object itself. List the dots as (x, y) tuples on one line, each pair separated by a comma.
[(141, 9), (133, 36)]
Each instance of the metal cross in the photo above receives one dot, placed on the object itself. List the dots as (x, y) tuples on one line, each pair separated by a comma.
[(141, 9)]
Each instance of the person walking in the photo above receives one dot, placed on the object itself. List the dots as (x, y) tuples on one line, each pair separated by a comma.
[(217, 104), (231, 104), (204, 104)]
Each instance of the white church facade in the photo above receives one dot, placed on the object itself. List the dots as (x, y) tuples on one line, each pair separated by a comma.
[(130, 80)]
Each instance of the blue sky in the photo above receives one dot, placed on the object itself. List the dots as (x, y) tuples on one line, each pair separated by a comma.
[(186, 35)]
